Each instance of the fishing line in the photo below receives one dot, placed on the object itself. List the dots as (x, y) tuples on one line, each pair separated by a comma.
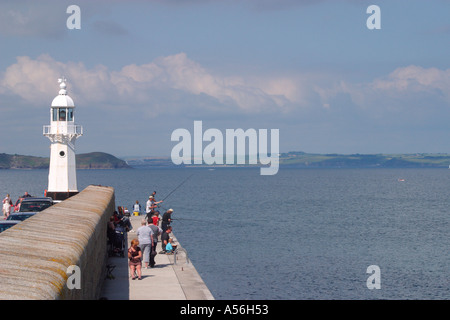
[(177, 187), (188, 219)]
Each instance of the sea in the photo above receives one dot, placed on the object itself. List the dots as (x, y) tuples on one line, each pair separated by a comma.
[(341, 234)]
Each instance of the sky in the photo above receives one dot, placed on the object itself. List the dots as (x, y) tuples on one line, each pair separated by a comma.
[(138, 70)]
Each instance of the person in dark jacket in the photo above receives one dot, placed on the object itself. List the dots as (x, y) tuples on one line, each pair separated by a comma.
[(166, 219)]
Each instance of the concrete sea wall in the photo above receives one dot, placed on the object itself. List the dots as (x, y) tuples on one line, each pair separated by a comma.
[(60, 253)]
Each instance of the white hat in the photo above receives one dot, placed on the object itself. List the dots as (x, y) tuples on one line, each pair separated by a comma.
[(171, 210)]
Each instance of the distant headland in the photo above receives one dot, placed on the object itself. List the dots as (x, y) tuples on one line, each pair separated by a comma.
[(93, 160), (299, 159), (416, 160)]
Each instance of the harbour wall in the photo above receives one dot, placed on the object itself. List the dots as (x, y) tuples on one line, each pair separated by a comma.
[(60, 253)]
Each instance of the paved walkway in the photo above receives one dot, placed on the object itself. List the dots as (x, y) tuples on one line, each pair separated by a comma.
[(166, 281)]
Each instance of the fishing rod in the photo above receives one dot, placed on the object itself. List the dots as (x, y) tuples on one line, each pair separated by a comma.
[(188, 219), (177, 187)]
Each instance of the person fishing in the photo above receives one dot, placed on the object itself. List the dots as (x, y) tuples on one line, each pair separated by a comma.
[(166, 219), (151, 205), (167, 216)]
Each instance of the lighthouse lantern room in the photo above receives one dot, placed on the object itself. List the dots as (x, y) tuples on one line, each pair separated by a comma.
[(62, 132)]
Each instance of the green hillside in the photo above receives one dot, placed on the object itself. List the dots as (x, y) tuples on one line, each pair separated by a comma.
[(417, 160), (99, 160), (14, 161), (93, 160)]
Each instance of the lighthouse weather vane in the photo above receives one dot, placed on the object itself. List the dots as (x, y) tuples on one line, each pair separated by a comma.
[(62, 132)]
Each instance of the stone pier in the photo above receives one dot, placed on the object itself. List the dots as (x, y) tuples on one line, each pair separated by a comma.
[(64, 242), (61, 254)]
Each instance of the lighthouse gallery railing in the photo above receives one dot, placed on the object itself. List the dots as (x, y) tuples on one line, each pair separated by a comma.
[(63, 129)]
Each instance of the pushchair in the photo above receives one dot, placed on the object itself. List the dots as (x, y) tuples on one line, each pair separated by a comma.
[(119, 243)]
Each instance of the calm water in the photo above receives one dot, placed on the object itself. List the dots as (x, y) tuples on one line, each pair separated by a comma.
[(301, 234)]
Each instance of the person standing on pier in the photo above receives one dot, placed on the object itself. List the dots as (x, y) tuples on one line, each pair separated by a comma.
[(156, 232), (7, 203), (145, 237), (156, 219), (166, 219), (151, 204)]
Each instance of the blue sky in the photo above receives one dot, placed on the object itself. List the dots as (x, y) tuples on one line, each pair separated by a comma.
[(138, 70)]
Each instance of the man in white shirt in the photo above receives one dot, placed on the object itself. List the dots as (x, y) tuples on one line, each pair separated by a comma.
[(151, 204)]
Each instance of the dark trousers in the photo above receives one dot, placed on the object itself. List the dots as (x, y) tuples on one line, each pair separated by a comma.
[(153, 254)]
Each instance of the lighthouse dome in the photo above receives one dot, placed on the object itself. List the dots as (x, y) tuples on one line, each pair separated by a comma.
[(62, 99)]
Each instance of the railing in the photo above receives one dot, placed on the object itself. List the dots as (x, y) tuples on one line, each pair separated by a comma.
[(177, 251), (63, 129)]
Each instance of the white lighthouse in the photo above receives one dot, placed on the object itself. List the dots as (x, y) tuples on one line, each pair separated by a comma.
[(62, 132)]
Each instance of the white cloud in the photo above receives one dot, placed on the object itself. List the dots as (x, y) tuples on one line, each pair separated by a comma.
[(416, 79), (398, 91), (176, 84), (31, 80), (34, 80)]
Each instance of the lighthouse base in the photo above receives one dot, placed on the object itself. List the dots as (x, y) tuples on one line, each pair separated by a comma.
[(60, 196)]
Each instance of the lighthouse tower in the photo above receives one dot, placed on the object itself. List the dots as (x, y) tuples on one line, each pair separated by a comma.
[(62, 132)]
